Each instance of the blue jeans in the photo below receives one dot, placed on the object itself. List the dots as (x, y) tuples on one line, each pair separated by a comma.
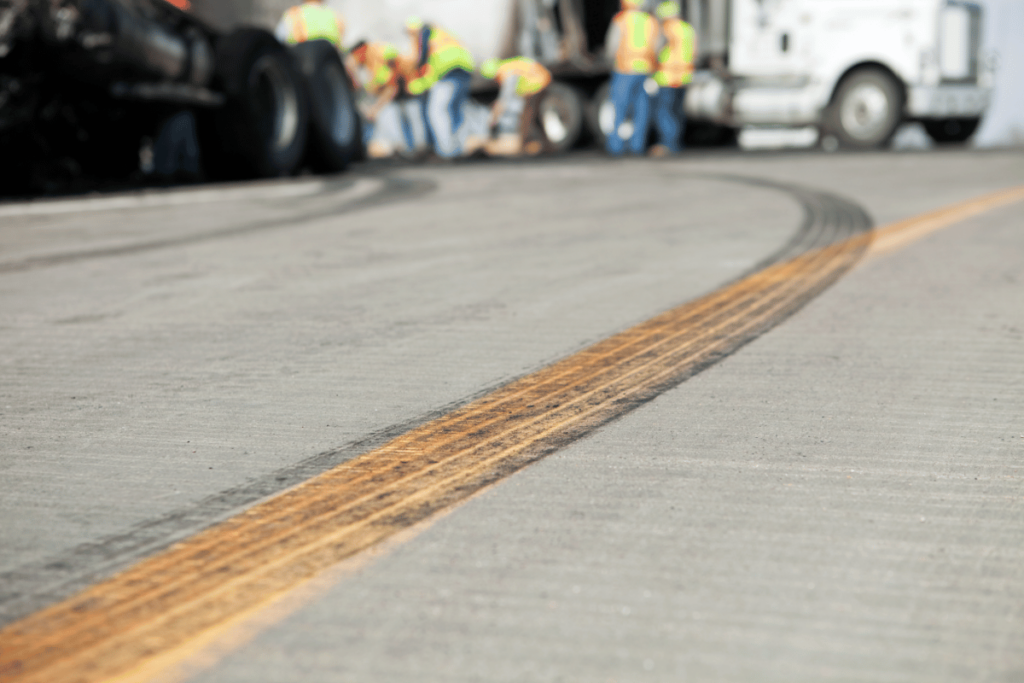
[(670, 117), (445, 100), (629, 97), (415, 123)]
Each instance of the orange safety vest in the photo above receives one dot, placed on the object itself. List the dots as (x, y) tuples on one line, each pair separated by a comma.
[(635, 52), (533, 77), (379, 60), (313, 21), (407, 69), (675, 63)]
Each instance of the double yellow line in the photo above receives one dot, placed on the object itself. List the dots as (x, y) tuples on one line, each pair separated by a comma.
[(151, 615)]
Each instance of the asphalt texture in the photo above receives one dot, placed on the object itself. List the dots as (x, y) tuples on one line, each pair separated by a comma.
[(841, 499)]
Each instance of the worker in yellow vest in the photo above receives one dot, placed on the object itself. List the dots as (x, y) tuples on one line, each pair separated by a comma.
[(374, 68), (444, 69), (632, 36), (675, 71), (312, 20), (522, 83), (379, 62)]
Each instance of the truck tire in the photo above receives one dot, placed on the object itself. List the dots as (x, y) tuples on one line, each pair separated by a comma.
[(865, 110), (261, 131), (601, 117), (601, 114), (335, 131), (560, 114), (950, 131)]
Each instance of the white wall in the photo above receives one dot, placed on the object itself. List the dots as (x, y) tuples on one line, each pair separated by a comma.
[(1004, 33), (478, 24)]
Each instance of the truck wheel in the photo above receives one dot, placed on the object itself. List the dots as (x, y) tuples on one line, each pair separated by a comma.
[(601, 117), (335, 135), (951, 131), (261, 130), (865, 110), (601, 114), (560, 114)]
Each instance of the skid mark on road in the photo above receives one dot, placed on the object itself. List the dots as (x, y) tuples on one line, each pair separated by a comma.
[(164, 198), (330, 201), (162, 608)]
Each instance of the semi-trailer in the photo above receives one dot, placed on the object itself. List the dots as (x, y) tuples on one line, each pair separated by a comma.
[(83, 82)]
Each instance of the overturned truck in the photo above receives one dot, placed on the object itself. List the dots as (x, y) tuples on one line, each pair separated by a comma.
[(83, 83)]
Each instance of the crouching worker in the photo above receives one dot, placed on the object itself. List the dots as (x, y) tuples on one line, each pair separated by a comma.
[(444, 69), (378, 62), (522, 82)]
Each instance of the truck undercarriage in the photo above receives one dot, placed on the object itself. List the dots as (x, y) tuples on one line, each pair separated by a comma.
[(84, 82)]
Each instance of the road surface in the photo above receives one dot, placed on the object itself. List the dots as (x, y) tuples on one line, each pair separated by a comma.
[(830, 486)]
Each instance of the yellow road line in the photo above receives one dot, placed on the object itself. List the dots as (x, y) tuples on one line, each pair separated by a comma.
[(898, 235), (166, 608)]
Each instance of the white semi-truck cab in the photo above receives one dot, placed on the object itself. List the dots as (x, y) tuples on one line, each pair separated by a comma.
[(854, 68)]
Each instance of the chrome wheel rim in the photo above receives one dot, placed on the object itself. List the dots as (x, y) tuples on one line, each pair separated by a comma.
[(865, 111)]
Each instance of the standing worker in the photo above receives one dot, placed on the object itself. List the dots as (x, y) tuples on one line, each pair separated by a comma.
[(675, 71), (312, 20), (633, 34), (523, 82), (444, 70)]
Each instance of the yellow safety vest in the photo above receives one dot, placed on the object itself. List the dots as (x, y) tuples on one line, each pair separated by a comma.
[(379, 60), (444, 55), (675, 63), (635, 52), (313, 21), (533, 77)]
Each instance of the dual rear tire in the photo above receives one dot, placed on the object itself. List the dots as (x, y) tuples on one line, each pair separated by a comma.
[(335, 131), (284, 108), (560, 115)]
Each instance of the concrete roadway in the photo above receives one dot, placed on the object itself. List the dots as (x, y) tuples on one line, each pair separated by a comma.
[(842, 499)]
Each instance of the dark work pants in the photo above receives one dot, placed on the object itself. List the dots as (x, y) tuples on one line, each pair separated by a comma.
[(670, 117)]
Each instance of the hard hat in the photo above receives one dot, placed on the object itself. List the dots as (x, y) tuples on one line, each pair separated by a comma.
[(668, 10), (632, 4), (489, 69), (413, 24)]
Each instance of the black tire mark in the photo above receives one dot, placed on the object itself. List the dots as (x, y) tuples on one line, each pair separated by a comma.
[(828, 219), (394, 189)]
